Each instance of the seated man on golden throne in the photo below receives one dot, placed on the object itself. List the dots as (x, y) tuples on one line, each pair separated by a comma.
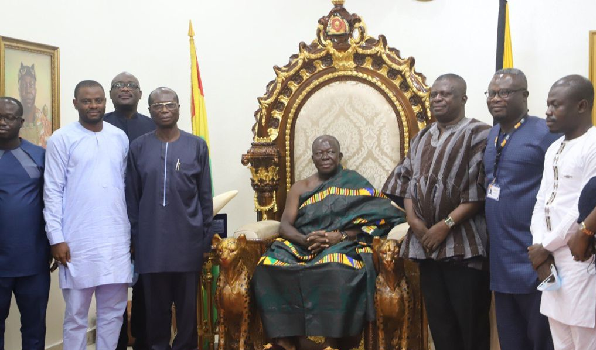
[(314, 279), (318, 278)]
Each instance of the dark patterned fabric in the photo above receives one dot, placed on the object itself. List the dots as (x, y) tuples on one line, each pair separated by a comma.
[(330, 294), (441, 171)]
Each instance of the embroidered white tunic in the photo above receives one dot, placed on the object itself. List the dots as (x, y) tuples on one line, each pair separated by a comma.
[(568, 165), (85, 204)]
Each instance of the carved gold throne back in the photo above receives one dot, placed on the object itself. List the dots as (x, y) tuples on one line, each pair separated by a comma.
[(349, 85), (361, 119)]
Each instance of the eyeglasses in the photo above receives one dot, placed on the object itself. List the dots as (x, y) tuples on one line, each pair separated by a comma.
[(9, 118), (503, 93), (319, 154), (122, 85), (170, 106)]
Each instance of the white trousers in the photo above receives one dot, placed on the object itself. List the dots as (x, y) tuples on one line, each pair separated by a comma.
[(110, 300), (567, 337)]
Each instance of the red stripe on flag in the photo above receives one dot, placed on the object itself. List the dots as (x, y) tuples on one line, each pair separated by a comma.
[(200, 81)]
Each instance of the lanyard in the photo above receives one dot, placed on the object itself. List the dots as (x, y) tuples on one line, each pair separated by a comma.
[(501, 145)]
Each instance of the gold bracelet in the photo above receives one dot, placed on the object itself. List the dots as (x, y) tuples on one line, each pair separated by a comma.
[(585, 230)]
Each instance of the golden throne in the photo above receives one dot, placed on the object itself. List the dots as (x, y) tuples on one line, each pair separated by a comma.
[(347, 84)]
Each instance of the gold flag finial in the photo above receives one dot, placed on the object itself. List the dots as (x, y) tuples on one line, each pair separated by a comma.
[(338, 2), (191, 32)]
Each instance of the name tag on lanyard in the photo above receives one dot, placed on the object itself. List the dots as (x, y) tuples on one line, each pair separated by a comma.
[(494, 191)]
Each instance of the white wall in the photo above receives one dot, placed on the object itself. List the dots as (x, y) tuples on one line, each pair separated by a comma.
[(239, 42)]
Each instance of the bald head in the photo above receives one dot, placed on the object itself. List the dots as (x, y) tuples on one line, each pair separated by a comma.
[(569, 106), (125, 92), (331, 139), (161, 90), (448, 99), (458, 83), (519, 77), (125, 77), (577, 88), (12, 100), (326, 155)]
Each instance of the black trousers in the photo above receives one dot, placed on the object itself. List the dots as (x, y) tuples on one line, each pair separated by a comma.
[(161, 290), (137, 321), (31, 294), (457, 300), (520, 324)]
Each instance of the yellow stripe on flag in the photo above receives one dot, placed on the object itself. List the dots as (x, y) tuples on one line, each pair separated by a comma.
[(507, 51), (199, 112)]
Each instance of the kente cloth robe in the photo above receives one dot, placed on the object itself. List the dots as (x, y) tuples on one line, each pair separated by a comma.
[(330, 294)]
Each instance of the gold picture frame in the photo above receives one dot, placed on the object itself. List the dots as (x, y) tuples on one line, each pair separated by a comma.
[(30, 72), (593, 67)]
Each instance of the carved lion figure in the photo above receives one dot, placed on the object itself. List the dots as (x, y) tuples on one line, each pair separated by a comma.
[(239, 326), (393, 299)]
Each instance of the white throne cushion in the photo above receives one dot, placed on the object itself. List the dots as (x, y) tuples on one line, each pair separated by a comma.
[(361, 119)]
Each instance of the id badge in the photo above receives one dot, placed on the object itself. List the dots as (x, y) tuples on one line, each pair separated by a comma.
[(494, 191)]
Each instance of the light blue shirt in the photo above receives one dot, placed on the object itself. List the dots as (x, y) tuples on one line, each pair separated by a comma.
[(85, 204)]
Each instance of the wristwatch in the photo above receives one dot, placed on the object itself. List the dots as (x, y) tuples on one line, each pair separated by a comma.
[(585, 230), (449, 222)]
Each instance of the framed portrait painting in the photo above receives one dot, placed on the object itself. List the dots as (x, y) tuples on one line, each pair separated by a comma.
[(593, 67), (30, 73)]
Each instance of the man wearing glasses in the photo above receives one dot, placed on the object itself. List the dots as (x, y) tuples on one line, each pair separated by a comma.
[(569, 163), (125, 93), (514, 161), (24, 248), (170, 206)]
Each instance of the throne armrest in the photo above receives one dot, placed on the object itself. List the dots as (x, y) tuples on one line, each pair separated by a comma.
[(399, 232), (262, 230)]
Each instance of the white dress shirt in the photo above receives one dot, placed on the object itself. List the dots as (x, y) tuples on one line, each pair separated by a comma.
[(85, 205), (568, 165)]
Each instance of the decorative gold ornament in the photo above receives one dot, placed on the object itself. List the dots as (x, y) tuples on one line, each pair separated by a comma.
[(324, 50), (342, 50)]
